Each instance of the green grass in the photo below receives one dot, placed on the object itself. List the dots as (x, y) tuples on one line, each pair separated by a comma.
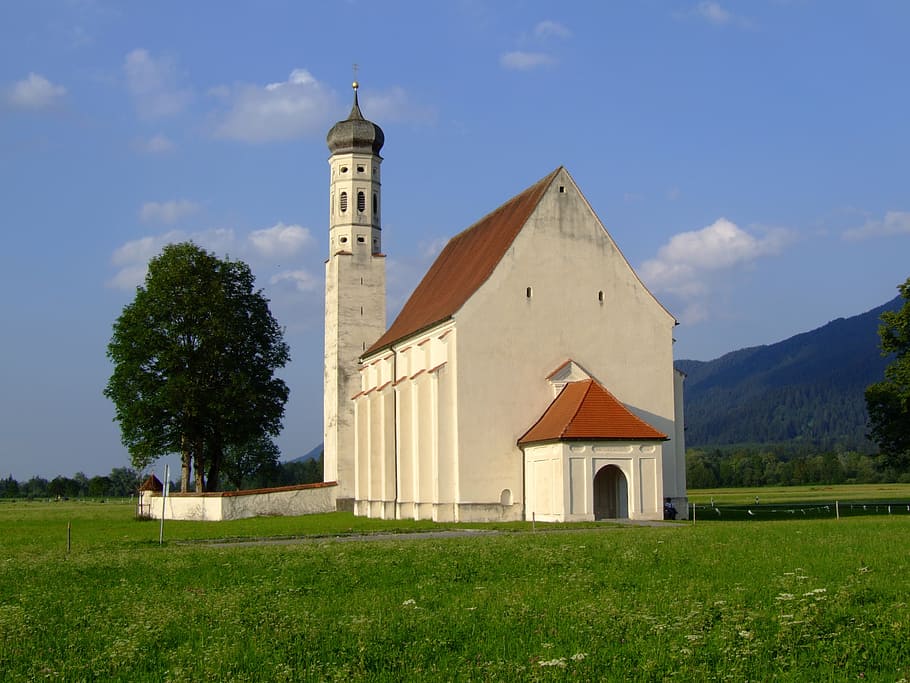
[(802, 494), (800, 600)]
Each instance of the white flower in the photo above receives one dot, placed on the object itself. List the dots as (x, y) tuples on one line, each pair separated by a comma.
[(561, 662)]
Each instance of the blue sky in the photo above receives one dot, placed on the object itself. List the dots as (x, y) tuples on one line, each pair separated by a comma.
[(749, 158)]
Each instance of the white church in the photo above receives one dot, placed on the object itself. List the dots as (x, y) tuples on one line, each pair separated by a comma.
[(529, 375)]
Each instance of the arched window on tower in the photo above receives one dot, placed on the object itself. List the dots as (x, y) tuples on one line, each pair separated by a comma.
[(375, 204), (361, 202), (343, 202)]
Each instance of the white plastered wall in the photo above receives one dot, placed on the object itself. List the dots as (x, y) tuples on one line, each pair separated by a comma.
[(406, 426), (559, 479), (585, 303)]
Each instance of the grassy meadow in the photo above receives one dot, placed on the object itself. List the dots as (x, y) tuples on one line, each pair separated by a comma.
[(796, 600), (818, 493)]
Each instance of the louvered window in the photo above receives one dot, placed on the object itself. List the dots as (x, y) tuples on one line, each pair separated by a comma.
[(343, 202), (361, 202)]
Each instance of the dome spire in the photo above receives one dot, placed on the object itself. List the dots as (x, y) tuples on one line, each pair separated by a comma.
[(355, 133), (355, 114)]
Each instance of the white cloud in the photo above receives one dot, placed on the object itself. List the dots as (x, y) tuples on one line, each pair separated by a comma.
[(285, 110), (524, 61), (431, 248), (301, 280), (34, 92), (686, 265), (168, 212), (155, 84), (894, 223), (712, 12), (132, 258), (280, 240), (267, 249), (551, 29), (157, 144), (394, 105)]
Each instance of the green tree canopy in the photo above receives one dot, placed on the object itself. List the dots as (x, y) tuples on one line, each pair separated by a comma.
[(888, 402), (194, 360), (257, 458)]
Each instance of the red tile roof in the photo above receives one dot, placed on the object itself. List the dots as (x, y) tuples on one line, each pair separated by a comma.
[(463, 266), (586, 411), (152, 483)]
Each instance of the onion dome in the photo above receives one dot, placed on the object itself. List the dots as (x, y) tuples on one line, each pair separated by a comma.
[(355, 133)]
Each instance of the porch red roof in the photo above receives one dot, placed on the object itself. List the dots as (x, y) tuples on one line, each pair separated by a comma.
[(586, 411)]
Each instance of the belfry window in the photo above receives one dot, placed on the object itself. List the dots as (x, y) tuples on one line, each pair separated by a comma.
[(600, 296), (343, 202), (529, 292), (361, 202)]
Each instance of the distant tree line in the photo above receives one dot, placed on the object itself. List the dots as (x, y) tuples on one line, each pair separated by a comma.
[(783, 465), (123, 482), (271, 473), (825, 417)]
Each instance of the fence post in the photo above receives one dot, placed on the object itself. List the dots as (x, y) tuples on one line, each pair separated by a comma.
[(837, 508)]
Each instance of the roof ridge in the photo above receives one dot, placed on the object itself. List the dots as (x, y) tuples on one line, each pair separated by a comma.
[(464, 265), (546, 180)]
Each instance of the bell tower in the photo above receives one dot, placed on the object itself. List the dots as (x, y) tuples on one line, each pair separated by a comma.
[(354, 285)]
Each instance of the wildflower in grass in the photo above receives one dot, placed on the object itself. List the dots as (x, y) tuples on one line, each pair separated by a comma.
[(409, 601), (784, 596), (561, 662), (578, 656)]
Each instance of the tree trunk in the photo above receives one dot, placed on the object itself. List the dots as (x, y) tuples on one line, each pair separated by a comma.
[(215, 457), (199, 463), (184, 465)]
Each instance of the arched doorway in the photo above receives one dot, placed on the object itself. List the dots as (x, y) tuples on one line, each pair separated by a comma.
[(611, 494)]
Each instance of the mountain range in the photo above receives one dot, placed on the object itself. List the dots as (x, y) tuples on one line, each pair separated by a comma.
[(807, 390)]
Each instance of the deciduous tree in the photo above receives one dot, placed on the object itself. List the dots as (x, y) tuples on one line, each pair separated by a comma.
[(194, 360), (888, 402), (246, 461)]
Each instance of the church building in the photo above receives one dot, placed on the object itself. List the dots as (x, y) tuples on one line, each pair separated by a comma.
[(529, 375)]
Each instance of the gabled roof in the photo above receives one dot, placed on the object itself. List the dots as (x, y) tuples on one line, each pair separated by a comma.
[(585, 411), (152, 483), (463, 266)]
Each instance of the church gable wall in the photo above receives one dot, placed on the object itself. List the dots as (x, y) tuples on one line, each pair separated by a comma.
[(562, 290)]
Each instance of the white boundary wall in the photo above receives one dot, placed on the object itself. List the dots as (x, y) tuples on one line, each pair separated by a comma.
[(284, 501)]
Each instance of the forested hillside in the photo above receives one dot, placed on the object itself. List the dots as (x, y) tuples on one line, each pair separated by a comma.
[(807, 390)]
